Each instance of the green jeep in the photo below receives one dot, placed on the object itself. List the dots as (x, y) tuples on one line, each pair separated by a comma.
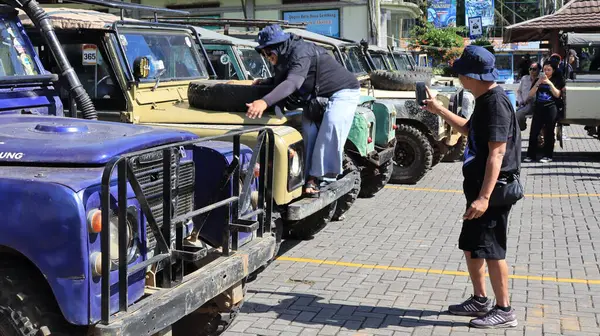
[(422, 138), (376, 167)]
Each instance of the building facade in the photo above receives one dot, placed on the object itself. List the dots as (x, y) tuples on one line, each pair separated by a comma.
[(381, 22)]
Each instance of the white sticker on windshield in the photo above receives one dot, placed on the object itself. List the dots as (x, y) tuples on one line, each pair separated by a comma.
[(224, 59), (188, 42), (89, 54), (123, 40)]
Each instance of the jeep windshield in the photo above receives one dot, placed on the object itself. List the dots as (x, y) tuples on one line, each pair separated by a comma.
[(403, 62), (170, 50), (379, 61), (354, 61), (255, 64), (16, 55)]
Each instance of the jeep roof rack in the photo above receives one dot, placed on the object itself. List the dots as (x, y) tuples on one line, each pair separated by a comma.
[(122, 6), (225, 23)]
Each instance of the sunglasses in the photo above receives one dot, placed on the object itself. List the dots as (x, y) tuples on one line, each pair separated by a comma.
[(533, 69), (267, 53)]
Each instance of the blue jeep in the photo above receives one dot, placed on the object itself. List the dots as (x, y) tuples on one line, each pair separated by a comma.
[(95, 239)]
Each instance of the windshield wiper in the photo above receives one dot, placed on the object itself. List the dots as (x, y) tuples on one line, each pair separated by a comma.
[(158, 79)]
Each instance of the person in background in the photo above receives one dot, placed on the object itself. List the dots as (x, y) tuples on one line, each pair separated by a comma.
[(547, 91), (524, 102), (493, 151), (524, 66), (294, 61), (527, 82)]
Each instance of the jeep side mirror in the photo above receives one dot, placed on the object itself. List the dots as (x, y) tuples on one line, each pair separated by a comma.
[(141, 68)]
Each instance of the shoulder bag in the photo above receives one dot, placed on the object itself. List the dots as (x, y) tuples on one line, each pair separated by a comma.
[(316, 107), (508, 189)]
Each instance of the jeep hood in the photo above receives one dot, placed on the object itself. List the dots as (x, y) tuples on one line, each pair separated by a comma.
[(61, 141)]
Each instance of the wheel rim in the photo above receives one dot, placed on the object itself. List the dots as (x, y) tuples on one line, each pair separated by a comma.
[(404, 155)]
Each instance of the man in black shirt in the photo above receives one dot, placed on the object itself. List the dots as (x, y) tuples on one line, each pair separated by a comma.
[(306, 70), (493, 150)]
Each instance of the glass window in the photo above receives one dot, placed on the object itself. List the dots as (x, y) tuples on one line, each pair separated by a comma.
[(588, 60), (223, 61), (390, 60), (354, 60), (16, 57), (172, 51), (93, 72), (403, 61), (379, 61), (254, 63)]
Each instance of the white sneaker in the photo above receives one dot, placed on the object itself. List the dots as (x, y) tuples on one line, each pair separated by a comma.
[(545, 160), (527, 159)]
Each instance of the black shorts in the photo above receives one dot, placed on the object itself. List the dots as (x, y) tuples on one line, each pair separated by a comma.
[(485, 237)]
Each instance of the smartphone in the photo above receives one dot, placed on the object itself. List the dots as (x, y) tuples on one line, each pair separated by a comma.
[(421, 93)]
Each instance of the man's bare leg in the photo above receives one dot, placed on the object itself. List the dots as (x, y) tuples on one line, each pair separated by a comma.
[(477, 272), (499, 277)]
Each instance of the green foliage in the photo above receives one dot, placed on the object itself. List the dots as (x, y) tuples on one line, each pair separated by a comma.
[(444, 71), (441, 44), (484, 42)]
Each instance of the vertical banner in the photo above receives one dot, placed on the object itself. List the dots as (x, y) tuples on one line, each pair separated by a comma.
[(324, 22), (482, 8), (442, 13)]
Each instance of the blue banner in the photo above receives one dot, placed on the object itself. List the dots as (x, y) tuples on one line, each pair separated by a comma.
[(483, 8), (324, 22), (442, 13)]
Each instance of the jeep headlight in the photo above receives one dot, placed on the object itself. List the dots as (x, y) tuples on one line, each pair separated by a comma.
[(295, 166), (113, 223), (95, 226)]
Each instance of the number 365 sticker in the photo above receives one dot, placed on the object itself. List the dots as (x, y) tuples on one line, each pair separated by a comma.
[(89, 52)]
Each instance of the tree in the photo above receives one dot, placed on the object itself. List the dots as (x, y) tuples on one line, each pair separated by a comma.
[(441, 44), (484, 42)]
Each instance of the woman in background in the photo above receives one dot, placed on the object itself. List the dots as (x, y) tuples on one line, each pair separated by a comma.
[(547, 91)]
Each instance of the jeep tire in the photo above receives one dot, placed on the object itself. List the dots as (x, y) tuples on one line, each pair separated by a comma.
[(413, 156), (456, 152), (208, 324), (308, 227), (397, 80), (27, 306), (218, 96), (345, 202), (375, 178)]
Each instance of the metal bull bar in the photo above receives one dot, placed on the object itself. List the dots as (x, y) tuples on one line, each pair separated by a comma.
[(171, 256)]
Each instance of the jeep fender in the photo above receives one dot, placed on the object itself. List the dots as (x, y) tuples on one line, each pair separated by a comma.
[(45, 227)]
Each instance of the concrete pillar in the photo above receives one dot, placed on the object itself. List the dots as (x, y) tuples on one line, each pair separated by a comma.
[(249, 8), (136, 13)]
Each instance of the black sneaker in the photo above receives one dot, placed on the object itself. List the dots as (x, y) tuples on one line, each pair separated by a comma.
[(496, 318), (471, 307)]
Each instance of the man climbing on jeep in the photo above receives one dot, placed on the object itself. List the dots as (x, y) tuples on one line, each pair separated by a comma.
[(308, 72)]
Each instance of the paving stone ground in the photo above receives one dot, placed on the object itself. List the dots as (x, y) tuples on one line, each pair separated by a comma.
[(557, 236)]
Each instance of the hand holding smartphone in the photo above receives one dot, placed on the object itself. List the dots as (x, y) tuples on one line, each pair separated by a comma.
[(421, 93)]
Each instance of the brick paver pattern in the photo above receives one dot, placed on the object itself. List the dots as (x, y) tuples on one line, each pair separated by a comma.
[(556, 237)]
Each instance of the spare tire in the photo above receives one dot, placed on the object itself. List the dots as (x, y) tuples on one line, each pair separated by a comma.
[(397, 80), (219, 96)]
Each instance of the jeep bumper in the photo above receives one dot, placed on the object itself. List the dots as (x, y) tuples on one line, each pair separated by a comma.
[(382, 155), (166, 306), (308, 206)]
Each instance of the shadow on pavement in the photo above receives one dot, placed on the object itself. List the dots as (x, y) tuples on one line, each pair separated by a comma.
[(306, 309), (287, 245)]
